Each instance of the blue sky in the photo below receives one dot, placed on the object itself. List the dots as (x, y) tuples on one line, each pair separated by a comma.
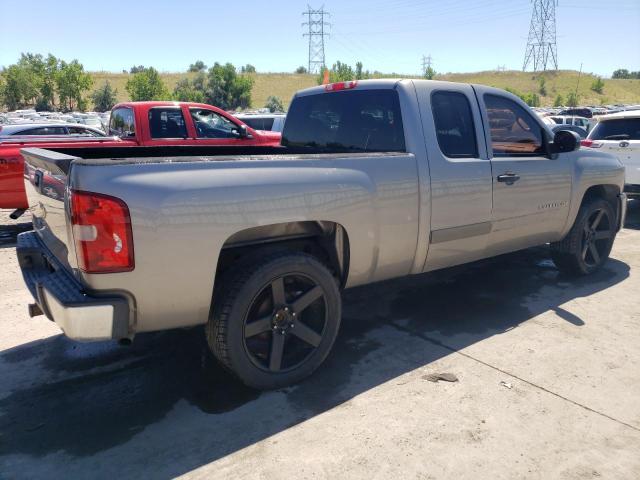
[(390, 36)]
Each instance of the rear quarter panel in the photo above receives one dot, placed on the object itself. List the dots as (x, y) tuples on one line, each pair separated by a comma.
[(182, 214)]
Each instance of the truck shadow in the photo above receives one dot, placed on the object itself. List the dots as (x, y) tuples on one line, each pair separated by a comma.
[(633, 214), (165, 397)]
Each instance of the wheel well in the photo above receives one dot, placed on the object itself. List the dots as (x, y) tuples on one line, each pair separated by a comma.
[(327, 241), (607, 192)]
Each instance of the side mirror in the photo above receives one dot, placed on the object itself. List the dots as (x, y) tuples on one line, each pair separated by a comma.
[(243, 132), (565, 141)]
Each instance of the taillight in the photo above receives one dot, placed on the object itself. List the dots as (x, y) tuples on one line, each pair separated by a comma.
[(590, 143), (102, 233), (334, 87)]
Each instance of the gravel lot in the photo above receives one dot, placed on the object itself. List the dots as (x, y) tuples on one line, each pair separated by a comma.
[(548, 369)]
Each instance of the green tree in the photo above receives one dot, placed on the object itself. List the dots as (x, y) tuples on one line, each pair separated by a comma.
[(147, 85), (190, 90), (137, 69), (72, 81), (226, 89), (300, 70), (542, 86), (597, 85), (248, 68), (198, 66), (572, 99), (341, 72), (621, 73), (274, 104), (104, 97), (20, 87), (532, 99), (429, 73), (559, 101)]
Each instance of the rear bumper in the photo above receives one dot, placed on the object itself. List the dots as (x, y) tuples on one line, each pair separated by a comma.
[(62, 298)]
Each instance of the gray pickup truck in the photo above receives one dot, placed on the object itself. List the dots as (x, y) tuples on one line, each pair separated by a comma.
[(374, 180)]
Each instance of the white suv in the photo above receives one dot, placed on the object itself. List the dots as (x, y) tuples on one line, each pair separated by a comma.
[(619, 134)]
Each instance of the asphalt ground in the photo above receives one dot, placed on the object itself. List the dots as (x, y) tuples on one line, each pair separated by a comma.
[(548, 371)]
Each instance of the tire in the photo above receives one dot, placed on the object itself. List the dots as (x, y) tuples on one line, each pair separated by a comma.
[(274, 321), (588, 244)]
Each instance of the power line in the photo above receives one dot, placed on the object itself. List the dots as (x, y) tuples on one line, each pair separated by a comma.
[(542, 49), (316, 23)]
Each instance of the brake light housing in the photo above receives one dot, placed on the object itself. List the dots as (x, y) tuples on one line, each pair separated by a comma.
[(102, 233), (590, 143), (336, 87)]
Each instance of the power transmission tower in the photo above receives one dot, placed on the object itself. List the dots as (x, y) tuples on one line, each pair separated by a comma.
[(316, 23), (542, 50), (426, 64)]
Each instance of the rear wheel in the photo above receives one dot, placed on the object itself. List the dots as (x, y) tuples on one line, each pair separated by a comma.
[(275, 321), (588, 244)]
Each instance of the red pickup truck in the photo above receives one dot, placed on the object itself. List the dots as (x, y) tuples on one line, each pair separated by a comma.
[(164, 125)]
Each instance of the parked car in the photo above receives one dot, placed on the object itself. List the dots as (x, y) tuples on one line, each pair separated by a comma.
[(157, 124), (619, 134), (577, 112), (47, 129), (375, 180), (581, 122), (581, 132), (264, 121)]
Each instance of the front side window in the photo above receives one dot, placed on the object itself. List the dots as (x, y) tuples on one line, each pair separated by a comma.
[(84, 131), (210, 124), (347, 121), (167, 123), (122, 123), (454, 125), (514, 132), (619, 129)]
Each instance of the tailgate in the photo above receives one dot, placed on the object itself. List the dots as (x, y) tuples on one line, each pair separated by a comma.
[(45, 178)]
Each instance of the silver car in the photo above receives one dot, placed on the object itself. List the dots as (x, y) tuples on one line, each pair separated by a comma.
[(48, 130)]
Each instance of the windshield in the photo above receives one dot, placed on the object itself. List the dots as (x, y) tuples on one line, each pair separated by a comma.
[(619, 129)]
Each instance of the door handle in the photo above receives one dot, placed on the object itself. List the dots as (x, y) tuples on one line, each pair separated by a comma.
[(508, 178), (624, 144)]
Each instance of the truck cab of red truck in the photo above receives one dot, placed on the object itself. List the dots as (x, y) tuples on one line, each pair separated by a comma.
[(137, 124)]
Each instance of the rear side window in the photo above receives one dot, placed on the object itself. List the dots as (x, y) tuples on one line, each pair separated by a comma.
[(454, 125), (44, 131), (346, 121), (259, 123), (122, 122), (167, 123), (620, 129), (514, 132)]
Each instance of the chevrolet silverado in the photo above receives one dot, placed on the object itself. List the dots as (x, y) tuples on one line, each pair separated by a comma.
[(374, 180)]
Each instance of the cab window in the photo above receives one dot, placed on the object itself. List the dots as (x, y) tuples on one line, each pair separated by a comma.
[(167, 122), (514, 132), (454, 125), (210, 124), (122, 122)]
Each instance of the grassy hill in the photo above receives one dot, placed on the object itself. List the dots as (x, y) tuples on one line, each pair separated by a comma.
[(284, 85)]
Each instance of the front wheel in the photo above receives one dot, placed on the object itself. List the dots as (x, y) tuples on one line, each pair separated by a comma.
[(588, 244), (274, 321)]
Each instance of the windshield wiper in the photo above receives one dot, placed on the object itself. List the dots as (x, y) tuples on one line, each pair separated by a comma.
[(622, 136)]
